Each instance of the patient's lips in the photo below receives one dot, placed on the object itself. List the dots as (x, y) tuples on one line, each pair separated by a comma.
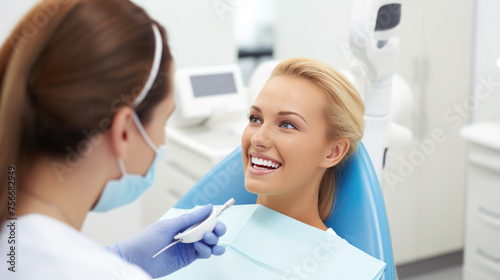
[(262, 164)]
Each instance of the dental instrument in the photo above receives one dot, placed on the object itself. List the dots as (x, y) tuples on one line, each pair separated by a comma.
[(196, 232)]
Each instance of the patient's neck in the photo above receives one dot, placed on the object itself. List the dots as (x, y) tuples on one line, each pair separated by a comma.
[(302, 207)]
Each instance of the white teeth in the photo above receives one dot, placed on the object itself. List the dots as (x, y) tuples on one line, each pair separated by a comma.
[(264, 162)]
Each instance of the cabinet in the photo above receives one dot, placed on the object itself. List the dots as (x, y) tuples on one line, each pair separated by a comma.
[(482, 214)]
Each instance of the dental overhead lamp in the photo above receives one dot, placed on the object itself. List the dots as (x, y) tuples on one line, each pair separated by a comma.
[(375, 50)]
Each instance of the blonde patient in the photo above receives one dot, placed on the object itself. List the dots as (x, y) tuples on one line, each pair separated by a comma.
[(306, 121)]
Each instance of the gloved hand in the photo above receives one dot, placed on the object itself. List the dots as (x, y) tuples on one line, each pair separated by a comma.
[(140, 248)]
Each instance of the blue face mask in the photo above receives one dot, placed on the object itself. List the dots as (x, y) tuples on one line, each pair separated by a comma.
[(130, 186)]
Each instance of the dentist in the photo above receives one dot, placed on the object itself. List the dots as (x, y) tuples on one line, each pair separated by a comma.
[(86, 87)]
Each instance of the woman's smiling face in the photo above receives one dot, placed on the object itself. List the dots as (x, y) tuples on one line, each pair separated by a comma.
[(285, 147)]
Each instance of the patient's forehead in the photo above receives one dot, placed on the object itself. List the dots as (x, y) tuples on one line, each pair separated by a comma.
[(285, 93)]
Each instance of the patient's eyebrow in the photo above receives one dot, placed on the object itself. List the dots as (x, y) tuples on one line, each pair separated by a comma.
[(284, 113), (256, 108), (281, 113)]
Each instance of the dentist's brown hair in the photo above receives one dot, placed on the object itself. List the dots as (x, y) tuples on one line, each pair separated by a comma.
[(344, 114), (66, 68)]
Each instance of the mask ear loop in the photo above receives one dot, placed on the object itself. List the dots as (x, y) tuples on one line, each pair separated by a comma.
[(122, 167), (143, 132), (144, 135)]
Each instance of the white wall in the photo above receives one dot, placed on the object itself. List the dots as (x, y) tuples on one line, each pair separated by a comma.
[(254, 20), (199, 33), (317, 29), (10, 13), (486, 62), (435, 59)]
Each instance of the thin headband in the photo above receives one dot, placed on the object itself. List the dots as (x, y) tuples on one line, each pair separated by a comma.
[(154, 68)]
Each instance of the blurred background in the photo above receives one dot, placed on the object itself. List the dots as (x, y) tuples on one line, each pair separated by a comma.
[(441, 187)]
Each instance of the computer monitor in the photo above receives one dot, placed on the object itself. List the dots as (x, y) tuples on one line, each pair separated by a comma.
[(206, 91)]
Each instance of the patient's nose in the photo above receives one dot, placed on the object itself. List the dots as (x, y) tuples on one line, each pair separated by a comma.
[(262, 138)]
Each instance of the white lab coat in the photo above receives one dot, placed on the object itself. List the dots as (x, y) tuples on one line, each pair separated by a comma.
[(49, 249)]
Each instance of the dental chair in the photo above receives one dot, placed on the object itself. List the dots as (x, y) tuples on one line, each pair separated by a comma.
[(358, 213)]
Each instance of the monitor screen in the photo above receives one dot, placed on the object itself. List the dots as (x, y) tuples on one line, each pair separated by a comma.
[(214, 84)]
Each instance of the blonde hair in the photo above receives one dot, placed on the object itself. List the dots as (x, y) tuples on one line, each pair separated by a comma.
[(344, 112)]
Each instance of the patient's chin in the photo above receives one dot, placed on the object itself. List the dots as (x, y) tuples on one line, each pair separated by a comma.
[(256, 187), (259, 188), (251, 188), (261, 185)]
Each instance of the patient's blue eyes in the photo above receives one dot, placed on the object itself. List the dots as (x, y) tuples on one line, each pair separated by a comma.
[(284, 124), (254, 119), (288, 125)]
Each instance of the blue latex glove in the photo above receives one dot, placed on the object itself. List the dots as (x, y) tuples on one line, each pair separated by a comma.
[(140, 248)]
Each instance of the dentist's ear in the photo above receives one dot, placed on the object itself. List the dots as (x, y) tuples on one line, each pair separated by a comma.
[(120, 131), (336, 152)]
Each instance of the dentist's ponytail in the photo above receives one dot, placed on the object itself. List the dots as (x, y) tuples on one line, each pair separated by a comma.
[(17, 116), (65, 71)]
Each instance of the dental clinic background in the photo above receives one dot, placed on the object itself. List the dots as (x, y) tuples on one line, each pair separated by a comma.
[(449, 72)]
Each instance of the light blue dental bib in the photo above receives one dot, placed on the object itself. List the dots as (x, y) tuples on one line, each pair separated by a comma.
[(264, 244)]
